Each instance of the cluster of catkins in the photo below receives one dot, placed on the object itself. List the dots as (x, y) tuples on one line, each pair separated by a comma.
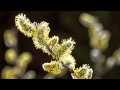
[(60, 52)]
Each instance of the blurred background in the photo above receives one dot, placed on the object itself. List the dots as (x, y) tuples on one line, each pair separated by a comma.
[(64, 24)]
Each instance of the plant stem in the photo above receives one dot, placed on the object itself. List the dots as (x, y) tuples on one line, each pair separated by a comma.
[(65, 66)]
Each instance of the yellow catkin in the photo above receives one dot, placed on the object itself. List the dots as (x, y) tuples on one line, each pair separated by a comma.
[(24, 25), (66, 47), (52, 67), (84, 72)]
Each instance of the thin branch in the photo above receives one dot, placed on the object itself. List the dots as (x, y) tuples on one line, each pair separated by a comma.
[(69, 69)]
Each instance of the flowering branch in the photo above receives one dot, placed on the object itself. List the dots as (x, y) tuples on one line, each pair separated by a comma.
[(61, 53)]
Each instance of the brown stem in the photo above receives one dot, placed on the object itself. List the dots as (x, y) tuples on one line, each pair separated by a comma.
[(69, 69)]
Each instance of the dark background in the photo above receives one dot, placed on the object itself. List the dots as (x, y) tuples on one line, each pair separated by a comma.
[(64, 24)]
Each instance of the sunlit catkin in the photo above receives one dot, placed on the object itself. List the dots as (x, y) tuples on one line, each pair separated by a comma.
[(66, 47), (24, 25), (84, 72), (52, 67)]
